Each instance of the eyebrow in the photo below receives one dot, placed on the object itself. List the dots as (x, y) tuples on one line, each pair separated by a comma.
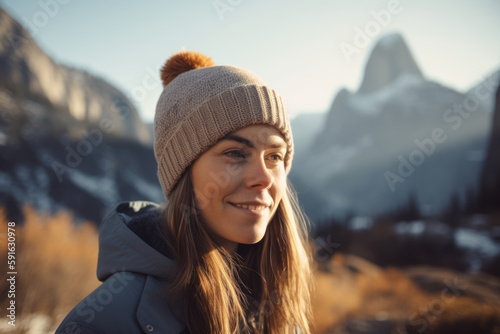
[(247, 142), (239, 139)]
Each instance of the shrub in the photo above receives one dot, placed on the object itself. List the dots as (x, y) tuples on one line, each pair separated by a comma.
[(55, 263)]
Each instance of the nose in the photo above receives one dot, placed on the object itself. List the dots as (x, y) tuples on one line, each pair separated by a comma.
[(258, 175)]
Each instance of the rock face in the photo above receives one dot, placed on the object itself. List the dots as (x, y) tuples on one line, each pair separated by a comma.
[(399, 136), (34, 89), (389, 60), (68, 140)]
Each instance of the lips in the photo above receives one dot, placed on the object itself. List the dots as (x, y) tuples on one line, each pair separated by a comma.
[(252, 206)]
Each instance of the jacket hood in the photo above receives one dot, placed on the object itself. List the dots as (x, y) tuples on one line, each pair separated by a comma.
[(130, 239)]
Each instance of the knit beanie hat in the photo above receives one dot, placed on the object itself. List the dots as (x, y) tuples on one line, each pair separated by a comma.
[(200, 104)]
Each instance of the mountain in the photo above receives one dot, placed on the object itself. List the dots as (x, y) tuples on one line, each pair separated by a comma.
[(389, 60), (399, 136), (68, 140), (488, 84), (39, 95), (304, 126)]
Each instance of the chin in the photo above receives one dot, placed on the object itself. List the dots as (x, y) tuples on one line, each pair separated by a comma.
[(251, 242), (251, 239)]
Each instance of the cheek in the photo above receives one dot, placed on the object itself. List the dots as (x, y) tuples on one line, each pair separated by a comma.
[(205, 195), (203, 189), (204, 186), (280, 181)]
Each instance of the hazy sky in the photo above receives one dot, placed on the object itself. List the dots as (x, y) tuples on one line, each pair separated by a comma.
[(293, 45)]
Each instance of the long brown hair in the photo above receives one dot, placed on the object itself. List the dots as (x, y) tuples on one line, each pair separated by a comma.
[(263, 289)]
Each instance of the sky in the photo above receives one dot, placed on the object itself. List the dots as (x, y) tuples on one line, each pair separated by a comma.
[(306, 50)]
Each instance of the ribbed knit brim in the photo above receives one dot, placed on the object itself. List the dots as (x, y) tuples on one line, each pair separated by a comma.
[(201, 106)]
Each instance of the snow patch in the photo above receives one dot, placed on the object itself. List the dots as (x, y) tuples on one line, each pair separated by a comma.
[(478, 241), (102, 187), (419, 227), (373, 103), (413, 228), (32, 187), (361, 223)]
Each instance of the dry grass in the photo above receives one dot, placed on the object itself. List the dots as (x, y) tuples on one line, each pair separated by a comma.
[(354, 288), (56, 264), (355, 296), (462, 316)]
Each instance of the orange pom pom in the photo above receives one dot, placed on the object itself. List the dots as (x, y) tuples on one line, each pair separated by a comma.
[(182, 62)]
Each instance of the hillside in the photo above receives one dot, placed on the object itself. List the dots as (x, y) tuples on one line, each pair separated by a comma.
[(69, 140), (42, 97)]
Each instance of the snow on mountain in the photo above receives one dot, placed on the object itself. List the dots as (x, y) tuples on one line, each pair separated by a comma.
[(37, 173), (373, 103), (425, 136)]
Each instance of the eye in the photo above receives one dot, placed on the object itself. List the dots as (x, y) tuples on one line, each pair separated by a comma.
[(276, 157), (235, 154)]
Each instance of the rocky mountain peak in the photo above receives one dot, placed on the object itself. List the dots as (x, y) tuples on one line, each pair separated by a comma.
[(390, 59)]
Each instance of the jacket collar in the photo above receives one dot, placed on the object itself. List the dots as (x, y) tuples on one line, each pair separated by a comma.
[(120, 249)]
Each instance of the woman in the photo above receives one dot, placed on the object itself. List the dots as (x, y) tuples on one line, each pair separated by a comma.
[(228, 253)]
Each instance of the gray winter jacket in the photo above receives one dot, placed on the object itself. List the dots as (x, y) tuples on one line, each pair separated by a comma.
[(135, 269)]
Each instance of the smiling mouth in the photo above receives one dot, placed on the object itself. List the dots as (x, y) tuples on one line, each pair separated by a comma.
[(251, 207)]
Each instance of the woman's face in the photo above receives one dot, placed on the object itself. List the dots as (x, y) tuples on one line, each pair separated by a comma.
[(239, 182)]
